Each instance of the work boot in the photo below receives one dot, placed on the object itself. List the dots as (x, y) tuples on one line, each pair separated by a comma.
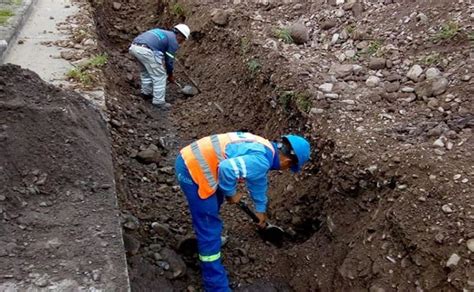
[(162, 106), (146, 96)]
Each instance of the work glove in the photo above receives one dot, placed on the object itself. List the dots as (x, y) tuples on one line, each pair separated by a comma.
[(263, 218), (235, 199), (171, 78)]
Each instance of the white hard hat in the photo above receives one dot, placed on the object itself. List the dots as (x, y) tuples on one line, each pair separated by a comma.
[(183, 29)]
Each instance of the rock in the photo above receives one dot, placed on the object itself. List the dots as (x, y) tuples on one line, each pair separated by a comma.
[(67, 55), (89, 42), (341, 70), (421, 17), (328, 24), (132, 245), (438, 130), (42, 281), (299, 33), (414, 72), (408, 89), (376, 288), (116, 5), (350, 53), (377, 63), (466, 78), (470, 244), (130, 222), (326, 87), (316, 111), (160, 229), (176, 263), (432, 73), (220, 17), (148, 156), (53, 243), (446, 209), (357, 9), (392, 86), (340, 13), (439, 86), (453, 260), (372, 81)]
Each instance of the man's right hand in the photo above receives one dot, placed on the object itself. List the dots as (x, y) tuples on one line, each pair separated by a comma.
[(262, 217), (171, 78)]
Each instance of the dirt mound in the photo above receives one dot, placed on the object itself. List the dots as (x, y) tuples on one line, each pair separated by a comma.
[(384, 205), (58, 226)]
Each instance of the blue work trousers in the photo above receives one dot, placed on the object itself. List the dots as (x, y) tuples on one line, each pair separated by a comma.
[(207, 227)]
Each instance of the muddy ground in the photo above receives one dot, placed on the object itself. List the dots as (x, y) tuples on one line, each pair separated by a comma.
[(386, 203), (380, 207)]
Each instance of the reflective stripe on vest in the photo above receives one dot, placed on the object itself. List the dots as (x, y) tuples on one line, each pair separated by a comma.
[(202, 158), (210, 258)]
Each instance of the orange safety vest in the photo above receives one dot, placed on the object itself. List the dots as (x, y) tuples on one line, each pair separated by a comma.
[(202, 158)]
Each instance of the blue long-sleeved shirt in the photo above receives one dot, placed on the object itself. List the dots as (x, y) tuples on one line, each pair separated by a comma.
[(163, 43), (250, 161)]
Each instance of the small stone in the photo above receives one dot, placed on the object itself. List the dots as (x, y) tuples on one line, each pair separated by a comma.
[(340, 13), (357, 9), (372, 81), (130, 222), (67, 55), (350, 53), (432, 73), (131, 244), (408, 89), (456, 176), (392, 86), (439, 238), (299, 33), (439, 142), (96, 275), (415, 72), (470, 244), (341, 70), (376, 288), (453, 260), (466, 78), (41, 281), (377, 63), (439, 85), (328, 24), (446, 209), (316, 111), (421, 17), (326, 87), (148, 156), (220, 17), (176, 263), (160, 229), (116, 5)]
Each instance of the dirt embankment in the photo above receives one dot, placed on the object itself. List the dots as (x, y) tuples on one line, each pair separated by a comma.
[(377, 208), (59, 226)]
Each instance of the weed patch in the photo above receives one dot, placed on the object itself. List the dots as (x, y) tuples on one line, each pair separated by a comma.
[(302, 100), (283, 34), (5, 14), (448, 31), (87, 72), (178, 10)]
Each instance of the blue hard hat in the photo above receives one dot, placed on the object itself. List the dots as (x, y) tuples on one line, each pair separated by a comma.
[(301, 149)]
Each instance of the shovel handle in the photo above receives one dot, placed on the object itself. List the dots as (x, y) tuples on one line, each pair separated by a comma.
[(249, 212)]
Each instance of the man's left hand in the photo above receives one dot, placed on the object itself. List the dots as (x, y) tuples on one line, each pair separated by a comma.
[(171, 78)]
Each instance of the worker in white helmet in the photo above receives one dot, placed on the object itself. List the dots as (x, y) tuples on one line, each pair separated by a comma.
[(155, 50)]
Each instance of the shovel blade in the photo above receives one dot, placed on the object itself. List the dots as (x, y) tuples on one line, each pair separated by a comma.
[(273, 234)]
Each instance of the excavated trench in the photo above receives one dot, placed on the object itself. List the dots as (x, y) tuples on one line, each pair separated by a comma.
[(232, 98)]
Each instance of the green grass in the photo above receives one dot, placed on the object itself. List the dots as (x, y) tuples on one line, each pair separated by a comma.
[(470, 36), (254, 66), (431, 59), (283, 34), (301, 100), (84, 74), (178, 10), (80, 75), (374, 48), (99, 60), (448, 31), (5, 14), (350, 28)]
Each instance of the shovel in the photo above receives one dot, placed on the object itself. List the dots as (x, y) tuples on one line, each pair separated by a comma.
[(187, 90), (196, 87), (270, 232)]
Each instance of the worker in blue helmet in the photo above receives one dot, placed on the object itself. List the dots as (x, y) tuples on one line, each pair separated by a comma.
[(208, 171)]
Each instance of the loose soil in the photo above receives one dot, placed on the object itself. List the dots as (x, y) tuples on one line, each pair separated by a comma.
[(56, 190), (375, 209)]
